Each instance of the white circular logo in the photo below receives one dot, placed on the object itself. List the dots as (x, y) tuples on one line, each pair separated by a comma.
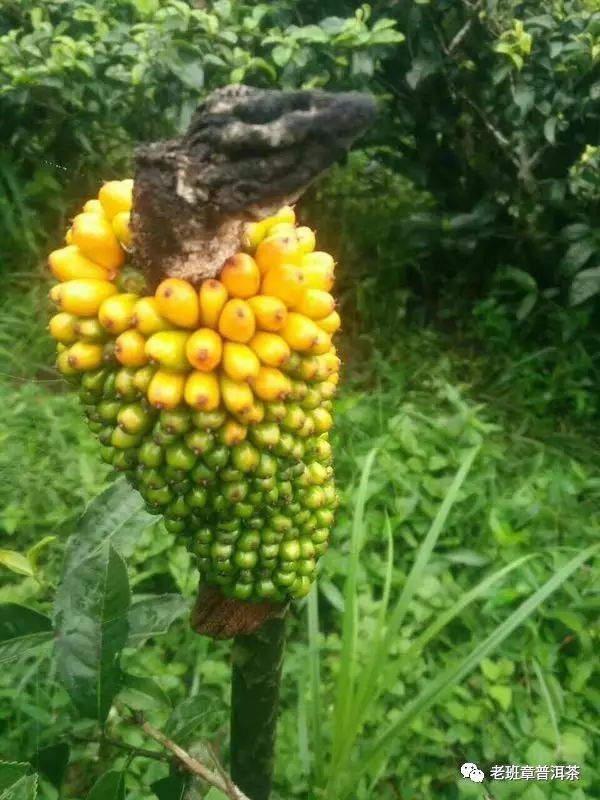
[(467, 769), (477, 776)]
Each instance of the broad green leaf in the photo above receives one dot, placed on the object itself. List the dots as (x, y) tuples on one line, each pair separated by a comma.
[(16, 562), (11, 772), (110, 786), (199, 716), (24, 789), (502, 695), (52, 762), (154, 615), (21, 630), (170, 788), (586, 284), (90, 612), (142, 693)]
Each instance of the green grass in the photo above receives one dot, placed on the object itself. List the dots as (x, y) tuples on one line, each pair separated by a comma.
[(456, 612)]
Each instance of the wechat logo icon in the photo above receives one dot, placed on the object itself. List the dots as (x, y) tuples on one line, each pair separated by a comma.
[(471, 771)]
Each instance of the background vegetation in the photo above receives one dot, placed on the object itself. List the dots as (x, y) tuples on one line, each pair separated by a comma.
[(465, 230)]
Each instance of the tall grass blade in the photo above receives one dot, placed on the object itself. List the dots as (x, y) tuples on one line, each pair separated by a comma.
[(549, 704), (314, 659)]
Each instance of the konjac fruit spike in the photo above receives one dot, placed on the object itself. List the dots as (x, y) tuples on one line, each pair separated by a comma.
[(213, 399)]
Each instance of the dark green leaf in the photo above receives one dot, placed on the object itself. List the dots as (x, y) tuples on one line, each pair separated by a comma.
[(586, 284), (11, 772), (21, 630), (142, 693), (154, 615), (199, 716), (90, 609), (24, 789), (170, 788), (52, 762), (110, 786)]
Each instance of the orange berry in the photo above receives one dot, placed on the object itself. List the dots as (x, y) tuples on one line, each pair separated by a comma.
[(130, 349), (62, 327), (331, 323), (94, 236), (316, 304), (204, 349), (177, 301), (271, 384), (166, 389), (212, 297), (146, 317), (300, 332), (240, 276), (271, 349), (115, 197), (269, 312), (239, 361), (69, 263), (285, 281), (277, 250), (202, 391), (318, 269), (237, 396), (237, 321), (116, 312)]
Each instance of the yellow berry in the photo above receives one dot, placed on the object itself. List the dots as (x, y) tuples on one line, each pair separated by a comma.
[(166, 389), (233, 432), (212, 297), (116, 312), (94, 236), (331, 323), (256, 414), (237, 321), (322, 419), (237, 396), (69, 236), (177, 301), (204, 349), (270, 312), (240, 276), (306, 239), (271, 384), (147, 318), (84, 296), (62, 364), (121, 227), (318, 269), (254, 232), (239, 361), (69, 263), (270, 348), (130, 349), (277, 250), (94, 206), (316, 304), (300, 332), (285, 214), (115, 197), (285, 281), (85, 355), (62, 327), (168, 348), (322, 342), (202, 391)]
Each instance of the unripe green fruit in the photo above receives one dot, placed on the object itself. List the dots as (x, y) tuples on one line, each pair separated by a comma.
[(124, 384), (197, 497), (108, 410), (284, 579), (199, 441), (142, 378), (94, 381), (243, 510), (221, 552), (95, 425), (182, 487), (178, 509), (107, 454), (204, 536), (125, 460), (230, 475), (245, 457), (105, 435), (245, 559), (271, 536), (235, 491), (109, 392), (248, 541), (267, 466), (269, 551), (209, 420), (134, 418), (280, 523), (173, 474), (152, 479), (312, 399), (174, 525), (320, 535), (265, 434), (180, 457), (242, 591), (275, 412), (266, 588), (177, 421), (158, 497), (123, 440), (289, 551), (219, 504), (162, 438), (218, 457), (294, 418), (151, 454)]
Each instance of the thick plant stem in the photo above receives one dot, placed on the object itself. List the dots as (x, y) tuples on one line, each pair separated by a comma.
[(256, 676)]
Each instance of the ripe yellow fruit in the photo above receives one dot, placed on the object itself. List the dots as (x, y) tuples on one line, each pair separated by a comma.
[(130, 349), (202, 391), (277, 250), (318, 269), (322, 342), (168, 348), (94, 206), (271, 384), (270, 312), (166, 389), (204, 349), (322, 419), (237, 321), (270, 348), (121, 227), (316, 304), (331, 323), (90, 330), (147, 319), (282, 229), (256, 413), (237, 396), (212, 297), (62, 327), (116, 196), (85, 355), (285, 281), (94, 236), (240, 276), (233, 432), (83, 296), (69, 263), (306, 239), (300, 332), (177, 301), (116, 312), (254, 232), (240, 362), (62, 364), (69, 236), (286, 214)]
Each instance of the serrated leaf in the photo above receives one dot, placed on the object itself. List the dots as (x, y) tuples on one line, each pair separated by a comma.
[(90, 612), (586, 284), (170, 788), (52, 762), (142, 693), (24, 789), (11, 772), (154, 615), (16, 562), (110, 786), (21, 630)]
